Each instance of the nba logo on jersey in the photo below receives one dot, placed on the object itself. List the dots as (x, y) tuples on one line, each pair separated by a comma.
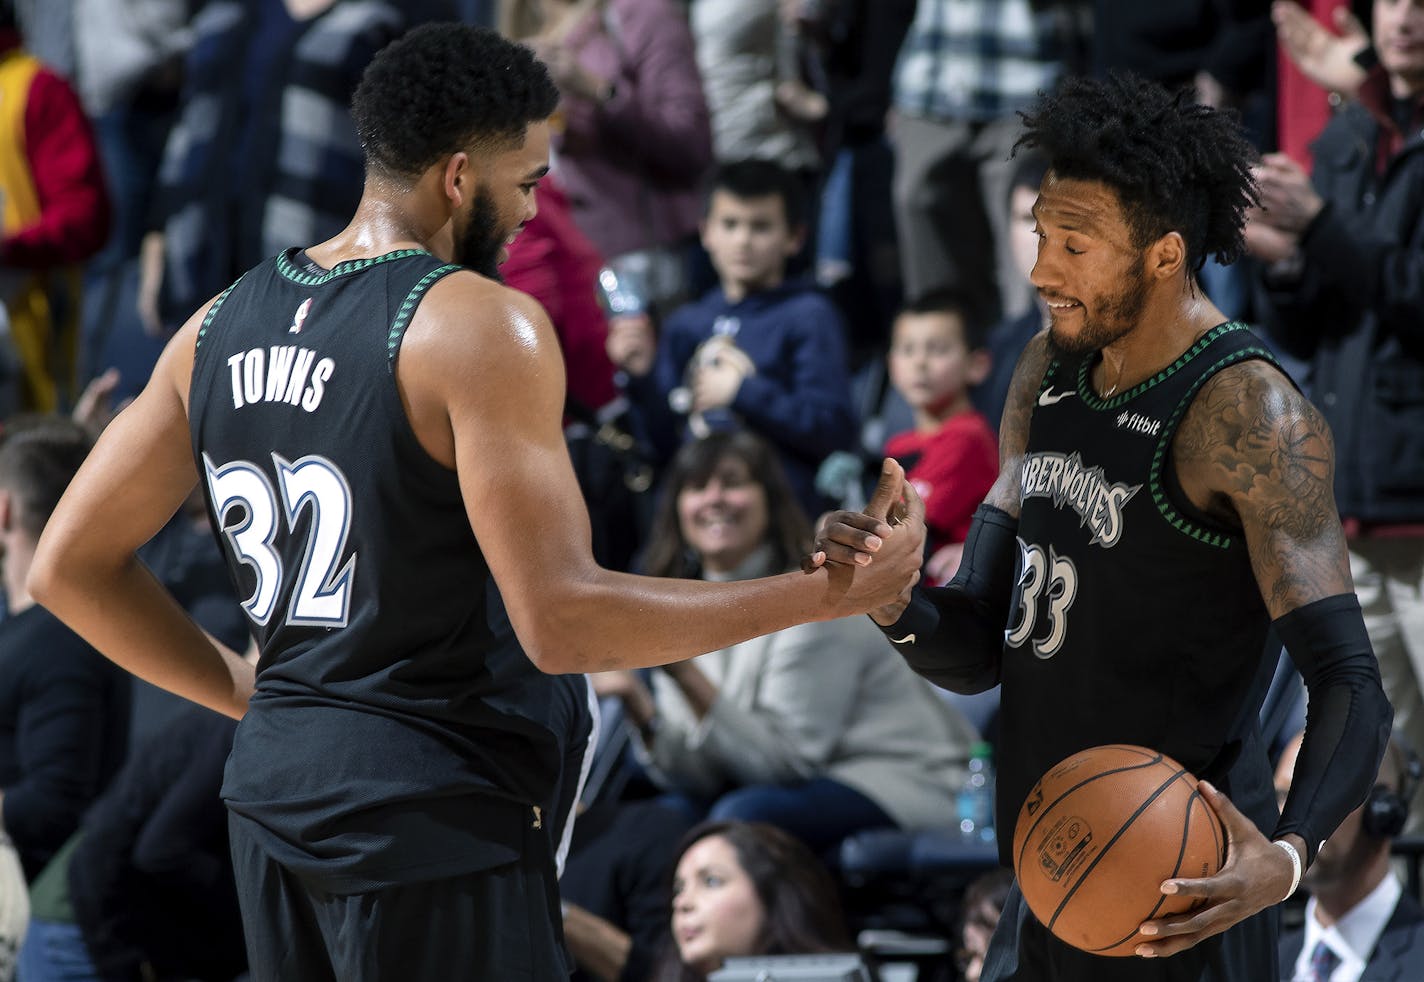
[(300, 317)]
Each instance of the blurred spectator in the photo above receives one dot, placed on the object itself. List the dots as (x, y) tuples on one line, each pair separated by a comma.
[(553, 262), (966, 68), (737, 56), (130, 61), (1344, 286), (979, 915), (635, 135), (55, 215), (1221, 48), (615, 887), (1309, 66), (937, 358), (856, 252), (811, 729), (1360, 923), (264, 154), (145, 890), (64, 709), (759, 350), (1008, 338), (49, 26), (747, 889)]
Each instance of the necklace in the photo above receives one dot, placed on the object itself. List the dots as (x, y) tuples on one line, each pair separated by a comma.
[(1116, 382)]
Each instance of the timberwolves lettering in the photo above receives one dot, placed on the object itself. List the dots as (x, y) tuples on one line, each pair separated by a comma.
[(281, 373), (1086, 490)]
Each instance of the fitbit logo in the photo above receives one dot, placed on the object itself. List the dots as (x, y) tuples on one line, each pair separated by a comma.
[(1139, 424)]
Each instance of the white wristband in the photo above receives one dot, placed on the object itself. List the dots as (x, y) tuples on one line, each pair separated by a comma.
[(1294, 855)]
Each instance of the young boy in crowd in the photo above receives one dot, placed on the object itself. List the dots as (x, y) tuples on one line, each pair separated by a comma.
[(758, 350), (937, 356)]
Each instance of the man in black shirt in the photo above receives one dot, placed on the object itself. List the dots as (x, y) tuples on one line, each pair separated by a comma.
[(1164, 497), (64, 710), (376, 422)]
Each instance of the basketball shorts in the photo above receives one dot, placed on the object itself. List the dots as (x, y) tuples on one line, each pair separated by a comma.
[(500, 923)]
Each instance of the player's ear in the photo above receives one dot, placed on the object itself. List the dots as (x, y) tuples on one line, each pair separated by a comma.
[(7, 510), (455, 176), (1167, 256)]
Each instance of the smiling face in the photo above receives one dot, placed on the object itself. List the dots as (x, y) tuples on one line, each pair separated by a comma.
[(1399, 40), (1089, 273), (500, 202), (716, 912), (726, 519)]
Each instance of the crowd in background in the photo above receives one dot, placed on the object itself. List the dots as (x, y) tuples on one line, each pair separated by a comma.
[(779, 240)]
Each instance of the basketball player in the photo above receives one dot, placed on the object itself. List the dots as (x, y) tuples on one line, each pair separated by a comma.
[(1165, 497), (376, 423)]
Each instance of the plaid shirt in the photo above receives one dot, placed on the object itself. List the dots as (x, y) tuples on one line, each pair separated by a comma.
[(981, 60), (222, 215)]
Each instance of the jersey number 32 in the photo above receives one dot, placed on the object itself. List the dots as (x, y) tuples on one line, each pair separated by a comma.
[(321, 595)]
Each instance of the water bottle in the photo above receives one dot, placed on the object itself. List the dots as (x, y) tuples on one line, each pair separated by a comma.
[(976, 796)]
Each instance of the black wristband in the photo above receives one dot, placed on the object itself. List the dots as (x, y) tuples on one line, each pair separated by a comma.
[(919, 621)]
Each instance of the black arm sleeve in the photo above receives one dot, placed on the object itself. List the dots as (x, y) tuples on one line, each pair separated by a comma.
[(954, 635), (1347, 719)]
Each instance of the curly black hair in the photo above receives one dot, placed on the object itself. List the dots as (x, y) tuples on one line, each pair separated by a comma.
[(442, 88), (1175, 165)]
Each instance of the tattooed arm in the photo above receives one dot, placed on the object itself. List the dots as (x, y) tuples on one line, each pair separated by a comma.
[(1254, 452)]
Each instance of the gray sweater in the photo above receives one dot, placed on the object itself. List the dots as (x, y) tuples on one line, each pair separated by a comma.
[(827, 699)]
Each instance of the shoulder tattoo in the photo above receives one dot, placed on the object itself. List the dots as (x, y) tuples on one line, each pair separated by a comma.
[(1253, 440)]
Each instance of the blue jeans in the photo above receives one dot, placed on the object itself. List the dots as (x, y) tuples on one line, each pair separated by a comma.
[(820, 812), (55, 952)]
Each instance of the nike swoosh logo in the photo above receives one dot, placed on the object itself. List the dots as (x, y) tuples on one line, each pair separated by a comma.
[(907, 639), (1047, 398)]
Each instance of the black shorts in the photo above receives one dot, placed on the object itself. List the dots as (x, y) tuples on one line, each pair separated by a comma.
[(1023, 950), (500, 923)]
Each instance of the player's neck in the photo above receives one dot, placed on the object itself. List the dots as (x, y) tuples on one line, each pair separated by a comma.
[(383, 223), (1162, 335)]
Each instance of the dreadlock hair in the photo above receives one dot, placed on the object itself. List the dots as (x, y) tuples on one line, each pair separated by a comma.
[(442, 88), (1175, 166)]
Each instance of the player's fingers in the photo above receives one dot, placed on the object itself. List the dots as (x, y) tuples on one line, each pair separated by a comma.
[(914, 505), (813, 562), (887, 490), (1235, 823)]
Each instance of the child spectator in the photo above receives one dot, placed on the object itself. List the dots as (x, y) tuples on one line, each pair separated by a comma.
[(937, 355), (757, 350)]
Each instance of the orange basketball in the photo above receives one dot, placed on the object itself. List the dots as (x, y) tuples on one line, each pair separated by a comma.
[(1099, 833)]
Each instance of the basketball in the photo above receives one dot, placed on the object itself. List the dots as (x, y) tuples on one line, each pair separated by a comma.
[(1099, 833)]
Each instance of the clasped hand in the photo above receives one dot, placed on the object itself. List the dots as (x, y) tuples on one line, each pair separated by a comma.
[(1256, 875), (855, 539)]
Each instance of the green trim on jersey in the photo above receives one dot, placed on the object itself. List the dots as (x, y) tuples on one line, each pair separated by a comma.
[(213, 312), (1095, 402), (407, 311), (291, 271), (1216, 539)]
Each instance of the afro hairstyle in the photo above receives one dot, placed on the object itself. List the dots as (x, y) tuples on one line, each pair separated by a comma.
[(443, 88), (1175, 165)]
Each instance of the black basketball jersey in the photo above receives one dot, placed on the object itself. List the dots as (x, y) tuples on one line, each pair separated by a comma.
[(1136, 619), (398, 731)]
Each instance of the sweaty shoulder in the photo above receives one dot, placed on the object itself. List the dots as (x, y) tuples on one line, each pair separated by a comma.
[(476, 346), (1249, 434)]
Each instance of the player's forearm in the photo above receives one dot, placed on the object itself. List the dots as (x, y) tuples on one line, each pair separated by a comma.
[(131, 619), (606, 621)]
